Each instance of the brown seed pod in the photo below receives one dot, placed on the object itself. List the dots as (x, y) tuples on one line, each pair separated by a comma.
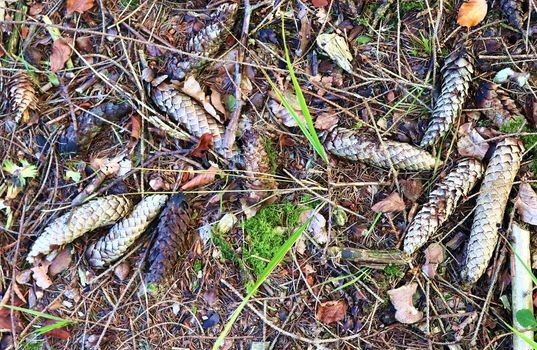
[(490, 207), (352, 145), (123, 234), (442, 203), (496, 104), (22, 96), (190, 115), (259, 182), (456, 76), (87, 217), (205, 43), (512, 10), (173, 238)]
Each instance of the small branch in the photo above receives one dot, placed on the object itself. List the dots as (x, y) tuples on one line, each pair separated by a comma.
[(231, 130), (521, 282), (383, 257)]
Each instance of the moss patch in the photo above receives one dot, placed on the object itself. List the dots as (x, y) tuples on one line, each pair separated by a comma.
[(518, 125), (272, 154)]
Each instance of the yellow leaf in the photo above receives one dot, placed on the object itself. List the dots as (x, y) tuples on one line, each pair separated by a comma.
[(472, 13)]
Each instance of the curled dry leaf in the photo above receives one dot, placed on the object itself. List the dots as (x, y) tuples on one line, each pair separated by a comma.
[(392, 203), (332, 311), (205, 178), (79, 6), (337, 49), (411, 189), (434, 255), (316, 227), (40, 273), (192, 88), (526, 203), (204, 144), (401, 299), (471, 143), (326, 121), (61, 52), (61, 262), (472, 13)]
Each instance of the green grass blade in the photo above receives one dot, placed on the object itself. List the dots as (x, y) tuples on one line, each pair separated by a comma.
[(278, 257), (521, 335), (36, 313)]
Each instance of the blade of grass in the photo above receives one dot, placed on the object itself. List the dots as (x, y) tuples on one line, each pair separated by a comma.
[(275, 261), (521, 335), (36, 313)]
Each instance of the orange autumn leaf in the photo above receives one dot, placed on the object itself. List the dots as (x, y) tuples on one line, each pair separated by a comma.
[(204, 144), (61, 51), (79, 6), (201, 179), (472, 13)]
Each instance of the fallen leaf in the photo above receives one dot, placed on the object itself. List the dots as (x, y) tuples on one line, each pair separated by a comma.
[(411, 189), (326, 121), (337, 49), (60, 332), (332, 311), (392, 203), (5, 314), (205, 178), (61, 262), (216, 101), (192, 88), (472, 13), (84, 43), (136, 124), (40, 273), (79, 6), (204, 144), (122, 271), (434, 255), (471, 143), (316, 227), (36, 9), (61, 51), (526, 204), (401, 299), (319, 3), (23, 277)]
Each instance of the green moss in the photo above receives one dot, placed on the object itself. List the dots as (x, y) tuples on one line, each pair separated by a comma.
[(393, 271), (272, 154), (228, 253), (519, 124), (130, 4), (197, 266), (407, 6)]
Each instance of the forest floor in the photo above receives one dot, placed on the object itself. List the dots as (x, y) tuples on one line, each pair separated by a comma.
[(81, 54)]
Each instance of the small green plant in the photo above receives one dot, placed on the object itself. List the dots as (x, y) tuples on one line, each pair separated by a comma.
[(407, 6), (393, 271), (519, 124), (19, 174)]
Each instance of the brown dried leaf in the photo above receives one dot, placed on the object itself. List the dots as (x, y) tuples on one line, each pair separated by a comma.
[(434, 255), (472, 13), (526, 203), (401, 299), (316, 227), (471, 143), (84, 43), (192, 88), (61, 51), (61, 262), (136, 124), (204, 144), (411, 189), (216, 100), (202, 179), (326, 121), (36, 9), (60, 333), (392, 203), (40, 270), (79, 6), (332, 311), (319, 3), (122, 271)]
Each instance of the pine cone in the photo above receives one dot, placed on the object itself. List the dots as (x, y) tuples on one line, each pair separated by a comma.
[(496, 104), (512, 9), (442, 203), (22, 96), (257, 164), (205, 43), (173, 238), (190, 115), (89, 216), (348, 144), (123, 234), (490, 207), (456, 76)]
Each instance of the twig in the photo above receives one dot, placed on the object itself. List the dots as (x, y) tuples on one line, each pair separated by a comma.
[(369, 255), (231, 130)]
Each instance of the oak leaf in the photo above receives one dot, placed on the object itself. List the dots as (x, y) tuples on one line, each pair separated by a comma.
[(472, 13)]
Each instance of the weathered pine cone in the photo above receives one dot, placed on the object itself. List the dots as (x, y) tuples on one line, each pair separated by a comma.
[(22, 96), (512, 10), (490, 207), (190, 115), (352, 145), (123, 234), (456, 76), (496, 104), (442, 203), (87, 217), (258, 180), (205, 43), (173, 238)]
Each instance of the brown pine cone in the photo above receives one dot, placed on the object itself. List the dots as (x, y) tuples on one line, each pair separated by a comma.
[(85, 218), (490, 207), (456, 76), (123, 234), (496, 104), (512, 9), (173, 238), (258, 180), (205, 43), (355, 146), (442, 203), (22, 96)]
